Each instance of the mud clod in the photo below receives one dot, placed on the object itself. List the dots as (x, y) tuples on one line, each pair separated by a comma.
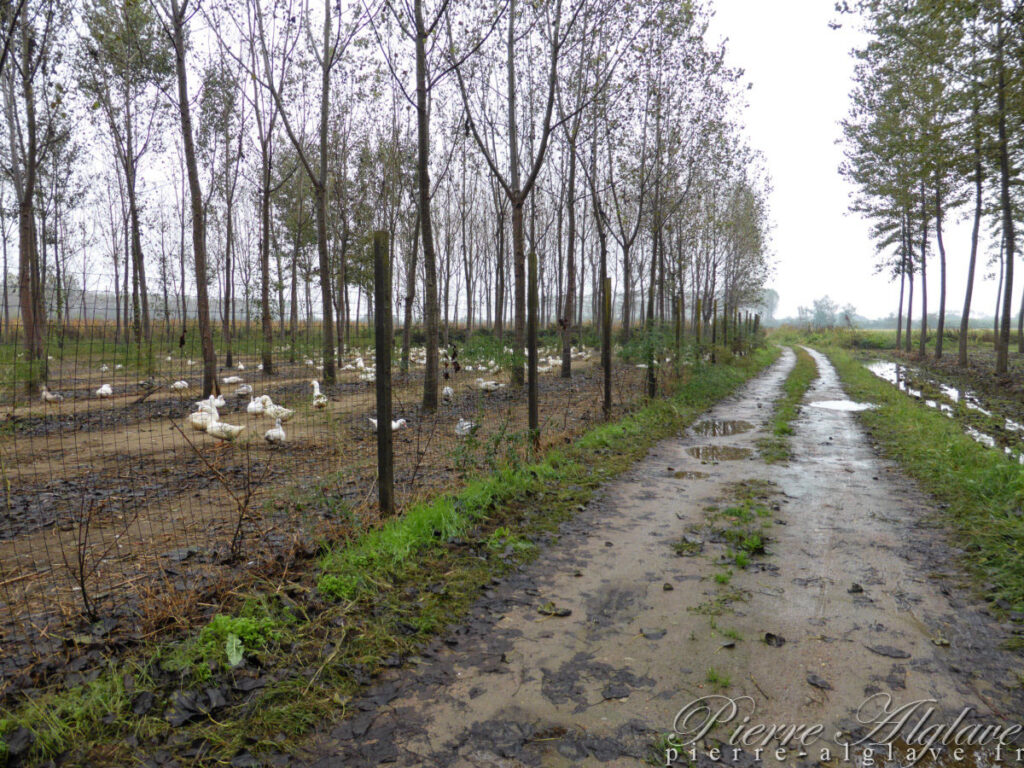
[(819, 682)]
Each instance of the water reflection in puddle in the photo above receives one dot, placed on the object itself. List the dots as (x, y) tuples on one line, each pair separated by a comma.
[(721, 428), (687, 475), (719, 452), (842, 405), (904, 377)]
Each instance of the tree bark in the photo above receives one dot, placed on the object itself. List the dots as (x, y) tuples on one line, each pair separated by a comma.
[(966, 314), (570, 265), (923, 338), (320, 193), (267, 351), (430, 311), (1003, 347), (196, 193), (940, 326)]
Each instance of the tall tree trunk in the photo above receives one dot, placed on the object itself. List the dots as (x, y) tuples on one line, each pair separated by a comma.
[(195, 190), (923, 339), (229, 240), (499, 281), (6, 312), (910, 304), (33, 317), (410, 295), (320, 194), (940, 326), (267, 350), (430, 310), (903, 280), (139, 264), (627, 288), (966, 314), (519, 269), (570, 265), (999, 296), (1003, 349), (294, 315)]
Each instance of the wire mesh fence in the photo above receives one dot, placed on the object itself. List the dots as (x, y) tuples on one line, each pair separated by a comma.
[(125, 510)]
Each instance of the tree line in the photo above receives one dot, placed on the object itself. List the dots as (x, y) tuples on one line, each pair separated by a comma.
[(934, 132), (246, 150)]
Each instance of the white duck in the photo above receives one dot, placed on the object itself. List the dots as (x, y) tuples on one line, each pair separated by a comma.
[(275, 436), (395, 425), (179, 386), (203, 418), (104, 368), (50, 397), (255, 406), (223, 431), (242, 391), (488, 386), (241, 367), (319, 399), (447, 394), (275, 411), (233, 380), (105, 391), (465, 428)]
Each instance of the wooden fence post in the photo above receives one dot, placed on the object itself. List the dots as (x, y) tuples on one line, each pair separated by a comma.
[(382, 321)]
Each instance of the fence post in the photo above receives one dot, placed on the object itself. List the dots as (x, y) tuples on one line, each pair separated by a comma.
[(531, 349), (606, 347), (382, 320)]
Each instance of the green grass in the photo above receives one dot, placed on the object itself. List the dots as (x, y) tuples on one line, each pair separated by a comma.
[(775, 448), (980, 490), (318, 637), (718, 679)]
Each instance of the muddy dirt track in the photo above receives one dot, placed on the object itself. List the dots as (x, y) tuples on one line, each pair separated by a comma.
[(858, 587)]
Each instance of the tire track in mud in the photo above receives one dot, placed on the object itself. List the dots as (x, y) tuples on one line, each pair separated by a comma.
[(858, 588)]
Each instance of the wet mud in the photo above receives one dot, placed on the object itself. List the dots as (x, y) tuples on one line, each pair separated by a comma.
[(856, 593)]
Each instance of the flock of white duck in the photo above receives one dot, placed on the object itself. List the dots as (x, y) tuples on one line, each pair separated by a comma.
[(206, 417)]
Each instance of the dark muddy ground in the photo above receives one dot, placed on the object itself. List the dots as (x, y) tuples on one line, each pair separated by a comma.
[(855, 593), (119, 483)]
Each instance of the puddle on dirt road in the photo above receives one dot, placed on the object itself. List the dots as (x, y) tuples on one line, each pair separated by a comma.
[(905, 377), (842, 405), (721, 428), (690, 475), (719, 452)]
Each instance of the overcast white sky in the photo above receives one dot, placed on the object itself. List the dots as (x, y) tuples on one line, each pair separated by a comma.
[(800, 71)]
